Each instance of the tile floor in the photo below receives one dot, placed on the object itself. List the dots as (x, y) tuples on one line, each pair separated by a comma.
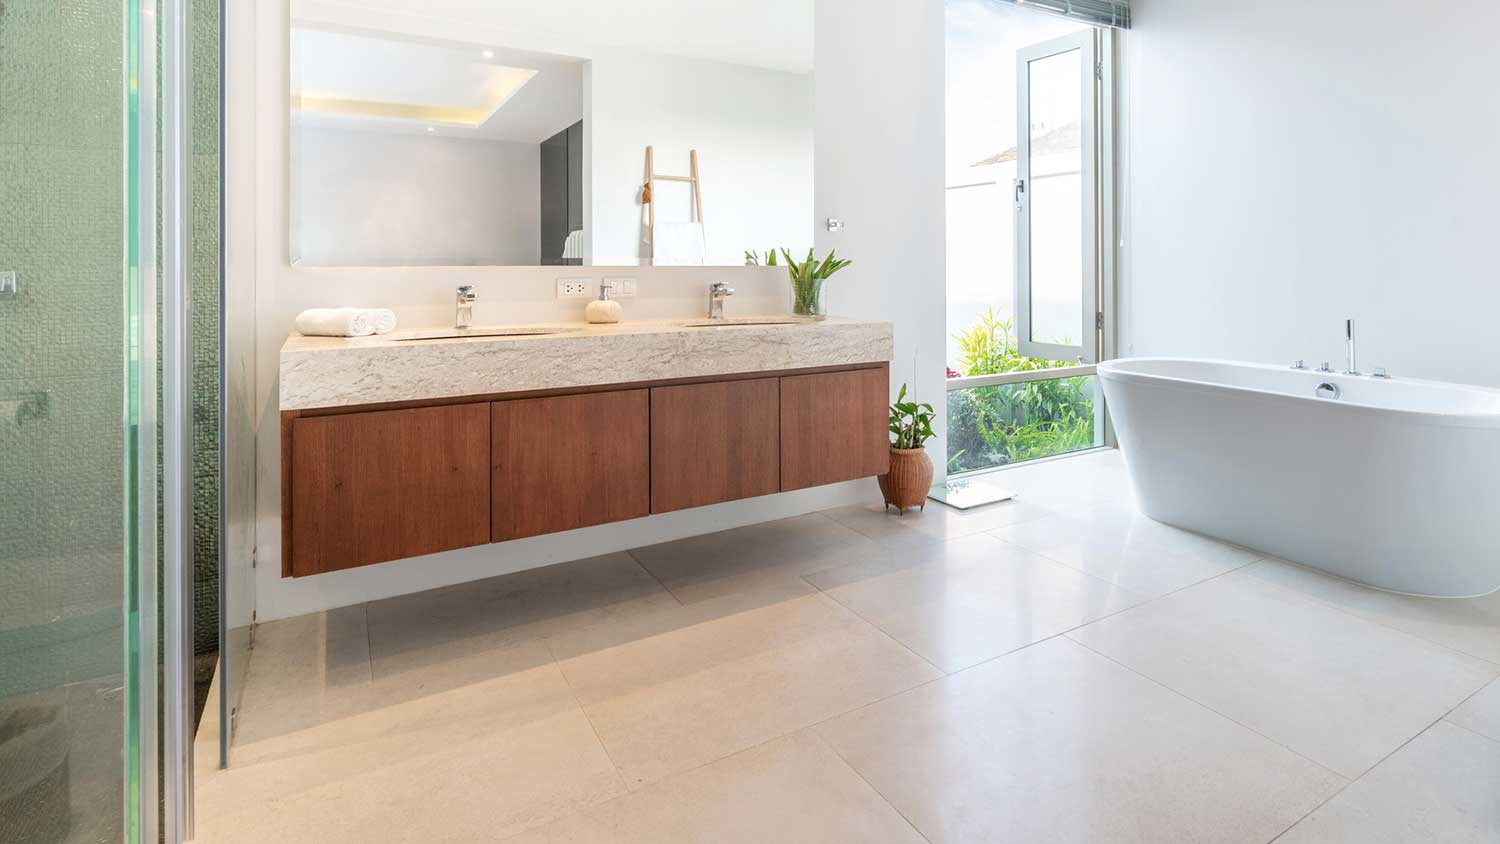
[(1053, 669)]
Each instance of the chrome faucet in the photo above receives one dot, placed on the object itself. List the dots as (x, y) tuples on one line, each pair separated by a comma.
[(1349, 338), (465, 316), (717, 293)]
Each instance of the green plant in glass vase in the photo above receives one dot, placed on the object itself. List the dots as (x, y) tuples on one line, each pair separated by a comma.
[(807, 276)]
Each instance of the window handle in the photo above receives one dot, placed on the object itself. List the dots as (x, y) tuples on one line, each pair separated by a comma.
[(1020, 185)]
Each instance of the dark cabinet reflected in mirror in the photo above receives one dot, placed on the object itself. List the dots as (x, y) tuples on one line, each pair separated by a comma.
[(562, 198)]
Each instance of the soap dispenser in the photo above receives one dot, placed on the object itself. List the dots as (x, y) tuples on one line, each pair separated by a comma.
[(603, 309)]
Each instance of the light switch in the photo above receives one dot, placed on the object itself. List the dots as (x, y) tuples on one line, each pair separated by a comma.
[(623, 285), (9, 286)]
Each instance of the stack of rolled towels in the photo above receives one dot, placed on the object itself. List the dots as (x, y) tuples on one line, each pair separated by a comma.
[(346, 322)]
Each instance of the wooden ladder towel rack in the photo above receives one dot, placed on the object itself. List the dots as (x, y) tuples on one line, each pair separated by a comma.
[(649, 195)]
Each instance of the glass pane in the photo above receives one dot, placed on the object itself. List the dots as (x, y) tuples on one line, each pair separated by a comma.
[(1056, 118), (64, 398), (204, 94), (996, 426), (981, 41)]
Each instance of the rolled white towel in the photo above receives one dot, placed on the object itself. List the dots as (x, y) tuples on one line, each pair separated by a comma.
[(336, 322), (384, 320)]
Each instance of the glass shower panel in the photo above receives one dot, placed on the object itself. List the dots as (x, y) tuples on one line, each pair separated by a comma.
[(72, 693)]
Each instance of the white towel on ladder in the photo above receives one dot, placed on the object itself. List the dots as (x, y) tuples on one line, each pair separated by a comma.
[(679, 245)]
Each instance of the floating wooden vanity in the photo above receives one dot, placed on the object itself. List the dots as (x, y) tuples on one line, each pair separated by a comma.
[(368, 482)]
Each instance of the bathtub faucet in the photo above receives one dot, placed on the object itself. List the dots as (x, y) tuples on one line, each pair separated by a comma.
[(1349, 337)]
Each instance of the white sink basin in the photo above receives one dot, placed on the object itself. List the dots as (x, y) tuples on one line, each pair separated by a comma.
[(454, 333), (771, 320)]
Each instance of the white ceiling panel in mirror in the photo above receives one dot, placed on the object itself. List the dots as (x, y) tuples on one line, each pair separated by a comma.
[(549, 132)]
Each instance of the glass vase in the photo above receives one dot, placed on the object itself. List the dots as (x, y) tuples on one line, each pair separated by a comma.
[(808, 299)]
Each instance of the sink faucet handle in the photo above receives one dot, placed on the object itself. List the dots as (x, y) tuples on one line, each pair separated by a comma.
[(463, 318), (717, 293)]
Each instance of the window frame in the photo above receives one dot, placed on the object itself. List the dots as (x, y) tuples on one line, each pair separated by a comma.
[(1094, 83)]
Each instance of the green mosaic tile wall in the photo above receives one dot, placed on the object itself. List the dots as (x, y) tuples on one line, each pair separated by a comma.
[(61, 341), (204, 21)]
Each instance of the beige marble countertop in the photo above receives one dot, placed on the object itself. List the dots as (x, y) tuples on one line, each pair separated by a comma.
[(343, 371)]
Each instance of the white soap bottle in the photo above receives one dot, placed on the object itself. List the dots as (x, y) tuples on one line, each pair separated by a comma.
[(604, 309)]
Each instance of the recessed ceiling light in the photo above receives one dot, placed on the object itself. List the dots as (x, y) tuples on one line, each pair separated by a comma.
[(430, 129), (489, 54)]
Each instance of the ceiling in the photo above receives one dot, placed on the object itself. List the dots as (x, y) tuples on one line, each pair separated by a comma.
[(366, 81), (775, 34)]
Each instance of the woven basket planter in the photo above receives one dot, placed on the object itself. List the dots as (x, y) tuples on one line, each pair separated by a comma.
[(907, 483)]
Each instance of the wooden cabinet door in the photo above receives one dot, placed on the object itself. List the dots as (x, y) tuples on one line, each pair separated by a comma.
[(382, 485), (567, 462), (834, 427), (713, 442)]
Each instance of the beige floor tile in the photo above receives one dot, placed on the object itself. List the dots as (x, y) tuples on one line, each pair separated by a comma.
[(1471, 625), (880, 522), (1146, 571), (961, 602), (676, 689), (471, 764), (940, 521), (1480, 713), (302, 672), (1442, 788), (1102, 537), (440, 638), (770, 557), (1058, 744), (1128, 550), (794, 790), (1070, 484), (1336, 688)]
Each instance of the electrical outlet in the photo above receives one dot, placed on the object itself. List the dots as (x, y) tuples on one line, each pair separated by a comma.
[(574, 288), (624, 285)]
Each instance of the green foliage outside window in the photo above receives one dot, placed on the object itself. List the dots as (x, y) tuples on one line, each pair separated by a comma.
[(994, 426)]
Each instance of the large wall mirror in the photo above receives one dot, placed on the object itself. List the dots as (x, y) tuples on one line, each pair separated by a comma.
[(609, 144)]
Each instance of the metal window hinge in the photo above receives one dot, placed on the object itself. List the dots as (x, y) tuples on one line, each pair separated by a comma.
[(1099, 320), (1099, 71)]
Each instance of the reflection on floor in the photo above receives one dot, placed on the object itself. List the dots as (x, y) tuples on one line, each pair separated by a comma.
[(1056, 668), (60, 762)]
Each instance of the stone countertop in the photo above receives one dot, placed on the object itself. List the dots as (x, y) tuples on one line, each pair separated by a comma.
[(319, 372)]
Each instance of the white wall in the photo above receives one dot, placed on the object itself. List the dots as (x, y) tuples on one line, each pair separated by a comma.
[(371, 198), (879, 166), (1297, 163), (754, 135)]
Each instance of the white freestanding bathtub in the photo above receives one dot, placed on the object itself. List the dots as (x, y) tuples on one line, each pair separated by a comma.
[(1394, 483)]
